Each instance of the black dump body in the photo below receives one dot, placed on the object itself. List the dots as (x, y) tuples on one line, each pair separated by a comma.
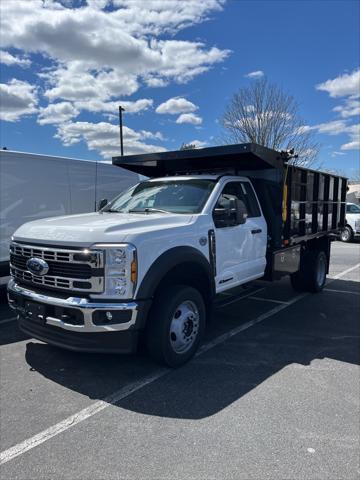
[(298, 203)]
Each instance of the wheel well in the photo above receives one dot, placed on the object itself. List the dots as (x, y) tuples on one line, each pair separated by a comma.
[(322, 244), (192, 275)]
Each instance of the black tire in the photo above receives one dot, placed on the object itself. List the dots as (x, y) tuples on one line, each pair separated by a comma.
[(297, 281), (347, 234), (312, 275), (160, 341)]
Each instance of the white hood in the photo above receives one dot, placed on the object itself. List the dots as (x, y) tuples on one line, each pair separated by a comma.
[(86, 229)]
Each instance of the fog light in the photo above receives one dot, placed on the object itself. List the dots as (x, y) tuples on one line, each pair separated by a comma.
[(109, 316)]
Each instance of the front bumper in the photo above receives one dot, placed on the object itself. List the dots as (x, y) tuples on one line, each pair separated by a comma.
[(78, 323)]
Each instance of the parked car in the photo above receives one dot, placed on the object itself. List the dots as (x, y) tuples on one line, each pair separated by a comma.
[(352, 223), (151, 262)]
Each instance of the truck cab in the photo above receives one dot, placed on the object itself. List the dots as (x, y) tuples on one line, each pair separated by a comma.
[(149, 264)]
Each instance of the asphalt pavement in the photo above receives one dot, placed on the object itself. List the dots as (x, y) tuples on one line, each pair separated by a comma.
[(274, 393)]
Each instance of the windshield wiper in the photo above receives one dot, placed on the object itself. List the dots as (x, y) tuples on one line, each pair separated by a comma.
[(148, 210)]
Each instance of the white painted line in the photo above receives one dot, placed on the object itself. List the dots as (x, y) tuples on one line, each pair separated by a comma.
[(78, 417), (342, 274), (7, 320), (262, 299), (340, 291), (225, 336), (115, 397), (240, 297)]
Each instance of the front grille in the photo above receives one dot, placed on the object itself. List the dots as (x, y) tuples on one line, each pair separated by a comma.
[(68, 269)]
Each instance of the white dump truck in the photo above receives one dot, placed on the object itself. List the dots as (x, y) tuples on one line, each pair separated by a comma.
[(150, 263)]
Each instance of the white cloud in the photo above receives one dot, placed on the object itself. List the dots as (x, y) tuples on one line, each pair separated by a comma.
[(116, 48), (176, 105), (198, 143), (343, 86), (354, 144), (113, 107), (338, 127), (351, 108), (56, 113), (17, 99), (7, 59), (153, 81), (75, 83), (189, 118), (155, 17), (348, 86), (100, 51), (256, 74), (104, 137), (331, 128)]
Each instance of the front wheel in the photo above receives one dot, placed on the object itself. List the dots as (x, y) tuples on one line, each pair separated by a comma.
[(346, 234), (176, 325)]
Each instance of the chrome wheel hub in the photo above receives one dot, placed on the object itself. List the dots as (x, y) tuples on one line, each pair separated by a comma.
[(345, 235), (184, 327)]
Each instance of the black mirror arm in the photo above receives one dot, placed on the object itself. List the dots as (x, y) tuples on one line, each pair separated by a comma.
[(102, 203)]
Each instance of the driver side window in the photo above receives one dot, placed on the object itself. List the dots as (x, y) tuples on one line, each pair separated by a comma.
[(224, 214)]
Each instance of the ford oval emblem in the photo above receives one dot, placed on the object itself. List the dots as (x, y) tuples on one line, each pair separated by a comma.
[(37, 266)]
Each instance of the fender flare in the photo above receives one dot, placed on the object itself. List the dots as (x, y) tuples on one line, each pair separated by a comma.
[(166, 262)]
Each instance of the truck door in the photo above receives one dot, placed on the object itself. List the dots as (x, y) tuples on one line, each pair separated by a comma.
[(240, 249)]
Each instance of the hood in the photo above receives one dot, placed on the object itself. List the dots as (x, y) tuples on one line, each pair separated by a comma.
[(86, 229)]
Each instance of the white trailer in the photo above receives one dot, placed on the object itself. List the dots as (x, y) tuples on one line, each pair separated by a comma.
[(37, 186)]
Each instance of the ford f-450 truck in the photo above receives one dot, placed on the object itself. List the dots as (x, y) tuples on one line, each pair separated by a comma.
[(150, 263)]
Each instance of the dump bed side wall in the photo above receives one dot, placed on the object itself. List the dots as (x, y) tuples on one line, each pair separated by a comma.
[(316, 203)]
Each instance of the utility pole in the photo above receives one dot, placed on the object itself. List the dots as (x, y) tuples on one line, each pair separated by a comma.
[(121, 109)]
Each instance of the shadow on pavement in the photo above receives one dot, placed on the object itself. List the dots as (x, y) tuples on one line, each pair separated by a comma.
[(317, 327)]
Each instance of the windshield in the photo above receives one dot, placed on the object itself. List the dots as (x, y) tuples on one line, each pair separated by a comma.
[(167, 196), (352, 208)]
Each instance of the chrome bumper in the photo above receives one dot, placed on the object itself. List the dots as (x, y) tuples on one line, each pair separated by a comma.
[(82, 304)]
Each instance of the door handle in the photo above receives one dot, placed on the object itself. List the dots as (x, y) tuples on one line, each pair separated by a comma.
[(257, 230)]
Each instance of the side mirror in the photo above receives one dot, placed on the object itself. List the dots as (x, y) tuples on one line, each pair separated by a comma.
[(241, 212), (103, 202)]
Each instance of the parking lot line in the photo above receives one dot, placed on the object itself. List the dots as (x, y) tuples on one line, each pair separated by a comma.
[(238, 298), (115, 397), (340, 291), (262, 299), (342, 274), (7, 320), (122, 393)]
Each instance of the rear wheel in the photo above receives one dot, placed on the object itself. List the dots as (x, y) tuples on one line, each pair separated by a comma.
[(312, 275), (176, 325), (346, 234)]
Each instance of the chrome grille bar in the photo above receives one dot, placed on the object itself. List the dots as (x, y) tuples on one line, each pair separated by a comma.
[(95, 258), (55, 256)]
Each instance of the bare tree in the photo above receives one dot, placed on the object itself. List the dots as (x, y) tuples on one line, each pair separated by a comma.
[(188, 146), (263, 113)]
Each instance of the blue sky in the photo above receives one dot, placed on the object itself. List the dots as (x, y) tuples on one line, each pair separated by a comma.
[(175, 65)]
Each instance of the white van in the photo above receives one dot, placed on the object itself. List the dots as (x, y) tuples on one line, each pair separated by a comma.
[(37, 186)]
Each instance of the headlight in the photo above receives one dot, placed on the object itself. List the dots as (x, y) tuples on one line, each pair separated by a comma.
[(120, 269)]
